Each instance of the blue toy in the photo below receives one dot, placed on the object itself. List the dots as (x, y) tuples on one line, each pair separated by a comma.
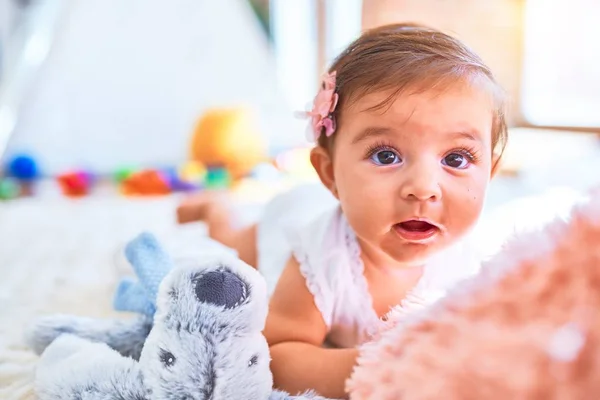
[(23, 168), (151, 264), (204, 342)]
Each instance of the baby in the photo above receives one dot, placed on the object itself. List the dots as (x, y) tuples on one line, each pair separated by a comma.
[(409, 127)]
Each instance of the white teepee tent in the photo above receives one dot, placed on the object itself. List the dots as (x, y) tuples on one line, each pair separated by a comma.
[(125, 81)]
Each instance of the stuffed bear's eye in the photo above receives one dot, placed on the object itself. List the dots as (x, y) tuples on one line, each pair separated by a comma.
[(168, 359), (253, 361)]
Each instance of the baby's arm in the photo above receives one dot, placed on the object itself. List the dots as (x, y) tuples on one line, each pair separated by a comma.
[(296, 331)]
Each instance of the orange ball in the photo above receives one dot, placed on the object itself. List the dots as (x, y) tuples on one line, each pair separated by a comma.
[(229, 138)]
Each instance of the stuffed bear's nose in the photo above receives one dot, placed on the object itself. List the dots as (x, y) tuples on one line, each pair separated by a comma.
[(221, 288)]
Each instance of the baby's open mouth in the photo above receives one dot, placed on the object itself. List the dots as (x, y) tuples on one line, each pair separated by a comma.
[(415, 230), (416, 226)]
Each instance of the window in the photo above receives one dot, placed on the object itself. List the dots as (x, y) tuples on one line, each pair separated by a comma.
[(344, 19), (295, 38), (294, 32), (26, 31), (561, 74)]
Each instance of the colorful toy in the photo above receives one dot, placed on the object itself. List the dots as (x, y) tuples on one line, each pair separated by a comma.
[(9, 189), (217, 178), (147, 182), (177, 183), (23, 167), (123, 173), (228, 138), (205, 342), (76, 183), (193, 171), (526, 328)]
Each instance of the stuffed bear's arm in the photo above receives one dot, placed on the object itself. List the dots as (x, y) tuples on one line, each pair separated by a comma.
[(72, 368), (150, 262), (131, 296), (125, 336)]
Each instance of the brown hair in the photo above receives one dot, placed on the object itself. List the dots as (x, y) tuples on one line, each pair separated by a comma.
[(405, 56)]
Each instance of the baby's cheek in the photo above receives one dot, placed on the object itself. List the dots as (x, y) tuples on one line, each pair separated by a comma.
[(473, 188), (369, 199), (469, 207), (355, 191), (369, 211)]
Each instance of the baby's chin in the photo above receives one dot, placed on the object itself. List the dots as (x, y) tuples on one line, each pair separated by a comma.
[(406, 261), (413, 254)]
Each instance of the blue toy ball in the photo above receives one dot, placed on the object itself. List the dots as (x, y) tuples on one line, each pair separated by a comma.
[(22, 167)]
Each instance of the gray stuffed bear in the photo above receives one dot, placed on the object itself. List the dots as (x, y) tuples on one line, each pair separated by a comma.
[(204, 342)]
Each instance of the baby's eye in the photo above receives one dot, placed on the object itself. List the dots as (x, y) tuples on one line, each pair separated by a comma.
[(456, 160), (385, 157)]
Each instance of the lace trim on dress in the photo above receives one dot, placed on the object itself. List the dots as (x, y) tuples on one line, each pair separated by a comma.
[(312, 282)]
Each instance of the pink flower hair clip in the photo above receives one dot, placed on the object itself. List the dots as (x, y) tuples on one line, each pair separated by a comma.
[(323, 106)]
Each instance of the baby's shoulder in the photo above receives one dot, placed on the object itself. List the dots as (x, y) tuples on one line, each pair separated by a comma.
[(323, 250), (324, 237)]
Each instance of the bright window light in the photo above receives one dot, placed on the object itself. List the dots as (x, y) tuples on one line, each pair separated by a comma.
[(561, 75)]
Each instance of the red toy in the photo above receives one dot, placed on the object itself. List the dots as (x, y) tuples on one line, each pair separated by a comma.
[(75, 184)]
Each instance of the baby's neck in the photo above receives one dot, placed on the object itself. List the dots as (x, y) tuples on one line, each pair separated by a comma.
[(378, 261), (388, 281)]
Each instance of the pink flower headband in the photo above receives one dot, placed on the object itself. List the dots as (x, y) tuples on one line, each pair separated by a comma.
[(323, 106)]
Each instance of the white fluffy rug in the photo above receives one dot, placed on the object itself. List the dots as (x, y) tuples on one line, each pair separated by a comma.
[(62, 256)]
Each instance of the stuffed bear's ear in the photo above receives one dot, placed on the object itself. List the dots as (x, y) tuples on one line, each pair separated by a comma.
[(150, 262)]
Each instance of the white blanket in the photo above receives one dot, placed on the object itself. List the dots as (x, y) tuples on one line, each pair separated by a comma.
[(63, 256)]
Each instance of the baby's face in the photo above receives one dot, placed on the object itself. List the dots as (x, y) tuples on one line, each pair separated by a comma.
[(412, 179)]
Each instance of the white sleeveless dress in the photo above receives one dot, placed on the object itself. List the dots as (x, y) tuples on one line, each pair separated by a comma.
[(308, 223)]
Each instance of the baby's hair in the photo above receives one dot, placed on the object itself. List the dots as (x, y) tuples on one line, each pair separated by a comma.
[(400, 57)]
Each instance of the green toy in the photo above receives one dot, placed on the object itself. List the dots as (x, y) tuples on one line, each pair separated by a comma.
[(217, 178), (9, 189), (123, 173)]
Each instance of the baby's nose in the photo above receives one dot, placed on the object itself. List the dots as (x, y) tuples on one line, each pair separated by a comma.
[(221, 288), (422, 183)]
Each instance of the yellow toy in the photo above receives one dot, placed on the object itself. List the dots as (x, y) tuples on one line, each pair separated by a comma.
[(228, 138), (193, 171)]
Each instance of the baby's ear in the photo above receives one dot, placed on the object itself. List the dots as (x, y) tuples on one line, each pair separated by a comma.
[(323, 163), (223, 293)]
